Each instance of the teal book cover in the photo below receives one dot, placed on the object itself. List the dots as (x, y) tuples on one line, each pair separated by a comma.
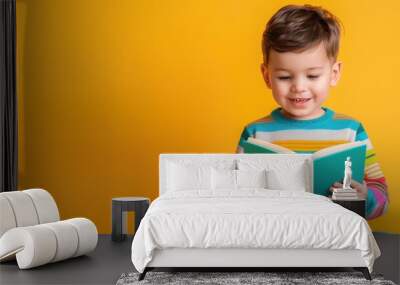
[(329, 168)]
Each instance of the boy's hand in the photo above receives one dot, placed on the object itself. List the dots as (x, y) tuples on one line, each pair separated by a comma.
[(361, 189)]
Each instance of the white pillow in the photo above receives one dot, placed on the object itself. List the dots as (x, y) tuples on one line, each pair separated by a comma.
[(223, 179), (282, 174), (251, 178), (279, 180), (191, 173), (237, 179), (273, 181), (188, 177)]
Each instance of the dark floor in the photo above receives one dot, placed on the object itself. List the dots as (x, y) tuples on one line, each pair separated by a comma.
[(103, 266), (111, 259)]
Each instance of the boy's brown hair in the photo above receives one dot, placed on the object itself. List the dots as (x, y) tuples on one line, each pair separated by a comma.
[(299, 27)]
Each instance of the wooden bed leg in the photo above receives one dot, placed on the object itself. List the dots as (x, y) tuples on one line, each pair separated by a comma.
[(143, 274), (364, 271)]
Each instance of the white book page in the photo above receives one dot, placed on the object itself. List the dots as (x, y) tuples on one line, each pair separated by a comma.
[(336, 148)]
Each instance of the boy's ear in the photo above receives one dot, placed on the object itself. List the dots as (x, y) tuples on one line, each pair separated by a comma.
[(265, 74), (335, 75)]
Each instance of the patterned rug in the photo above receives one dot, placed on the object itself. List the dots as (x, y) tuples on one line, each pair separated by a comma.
[(231, 278)]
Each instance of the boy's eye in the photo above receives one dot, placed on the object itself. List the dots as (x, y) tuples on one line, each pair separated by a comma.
[(288, 77)]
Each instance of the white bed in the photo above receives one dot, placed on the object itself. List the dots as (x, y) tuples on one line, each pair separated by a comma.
[(216, 225)]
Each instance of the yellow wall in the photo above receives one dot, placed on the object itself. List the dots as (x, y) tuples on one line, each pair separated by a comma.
[(105, 86)]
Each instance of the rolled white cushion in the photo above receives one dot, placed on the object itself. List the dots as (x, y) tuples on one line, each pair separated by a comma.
[(23, 208), (87, 233), (7, 218), (40, 244), (46, 207), (33, 245), (67, 240)]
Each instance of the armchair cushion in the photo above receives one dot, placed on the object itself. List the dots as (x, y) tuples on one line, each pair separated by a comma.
[(31, 232), (40, 244)]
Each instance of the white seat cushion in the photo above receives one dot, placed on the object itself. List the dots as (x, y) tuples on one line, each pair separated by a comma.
[(87, 233), (31, 232), (67, 240), (40, 244), (32, 246)]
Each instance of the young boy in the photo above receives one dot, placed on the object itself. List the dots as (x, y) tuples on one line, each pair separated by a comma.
[(300, 47)]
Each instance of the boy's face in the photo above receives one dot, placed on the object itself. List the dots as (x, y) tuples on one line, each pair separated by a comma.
[(300, 81)]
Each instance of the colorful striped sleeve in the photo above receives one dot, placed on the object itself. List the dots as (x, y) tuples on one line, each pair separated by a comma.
[(244, 136), (377, 198)]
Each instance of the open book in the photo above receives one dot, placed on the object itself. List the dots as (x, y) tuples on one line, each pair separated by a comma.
[(328, 163)]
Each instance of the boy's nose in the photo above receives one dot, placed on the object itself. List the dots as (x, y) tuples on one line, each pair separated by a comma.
[(298, 86)]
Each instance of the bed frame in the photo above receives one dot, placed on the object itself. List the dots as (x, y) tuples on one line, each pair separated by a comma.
[(248, 259)]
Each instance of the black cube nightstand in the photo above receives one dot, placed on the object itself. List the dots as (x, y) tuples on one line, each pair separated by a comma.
[(119, 208), (356, 205)]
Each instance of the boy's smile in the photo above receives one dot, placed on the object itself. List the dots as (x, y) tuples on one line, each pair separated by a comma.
[(300, 81)]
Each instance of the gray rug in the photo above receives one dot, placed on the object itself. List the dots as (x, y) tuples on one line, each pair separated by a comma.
[(230, 278)]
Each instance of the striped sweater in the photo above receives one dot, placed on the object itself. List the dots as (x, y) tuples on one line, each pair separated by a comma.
[(308, 136)]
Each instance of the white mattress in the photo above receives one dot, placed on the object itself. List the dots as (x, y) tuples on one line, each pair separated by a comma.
[(251, 218)]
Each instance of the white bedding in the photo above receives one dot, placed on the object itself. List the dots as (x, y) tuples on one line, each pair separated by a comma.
[(250, 218)]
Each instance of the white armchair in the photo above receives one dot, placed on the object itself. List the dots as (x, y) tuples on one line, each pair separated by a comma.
[(31, 230)]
